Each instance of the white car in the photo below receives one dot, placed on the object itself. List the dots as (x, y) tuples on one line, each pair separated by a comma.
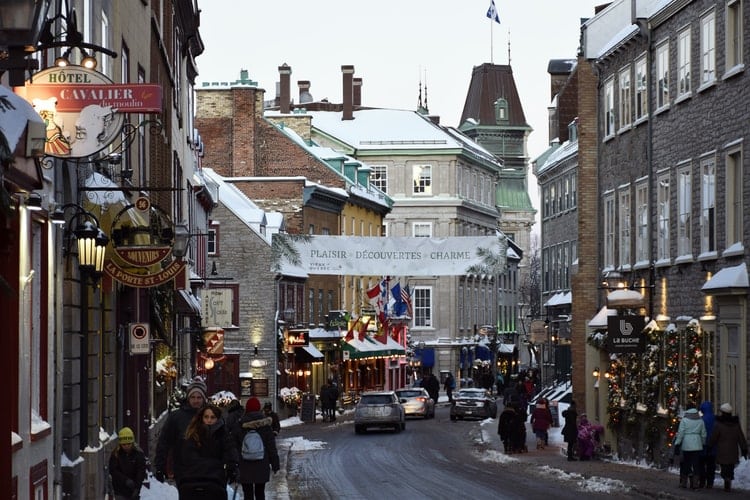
[(379, 409)]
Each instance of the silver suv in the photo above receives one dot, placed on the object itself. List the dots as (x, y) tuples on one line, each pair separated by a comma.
[(379, 409)]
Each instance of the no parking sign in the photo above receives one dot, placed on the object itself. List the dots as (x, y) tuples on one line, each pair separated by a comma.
[(140, 335)]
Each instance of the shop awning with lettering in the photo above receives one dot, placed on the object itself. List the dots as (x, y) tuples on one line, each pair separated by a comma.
[(371, 348)]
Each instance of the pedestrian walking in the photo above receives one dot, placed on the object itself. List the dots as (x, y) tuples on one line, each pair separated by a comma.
[(690, 439), (173, 432), (570, 429), (499, 383), (275, 423), (127, 466), (730, 441), (508, 428), (707, 458), (209, 457), (432, 385), (541, 421), (255, 472), (449, 385)]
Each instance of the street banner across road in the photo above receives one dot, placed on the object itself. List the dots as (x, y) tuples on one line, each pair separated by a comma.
[(389, 256)]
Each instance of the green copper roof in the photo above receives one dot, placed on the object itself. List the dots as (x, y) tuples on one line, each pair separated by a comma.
[(512, 195)]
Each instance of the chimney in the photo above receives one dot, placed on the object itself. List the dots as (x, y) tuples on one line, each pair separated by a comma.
[(304, 91), (348, 74), (357, 92), (285, 72)]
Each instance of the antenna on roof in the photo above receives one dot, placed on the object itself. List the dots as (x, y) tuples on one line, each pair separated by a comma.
[(419, 101), (508, 47), (426, 107)]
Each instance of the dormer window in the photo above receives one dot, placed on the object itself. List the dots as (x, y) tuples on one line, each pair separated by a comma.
[(501, 111)]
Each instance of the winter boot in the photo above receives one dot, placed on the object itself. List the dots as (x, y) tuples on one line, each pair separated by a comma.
[(683, 481), (694, 483), (727, 485)]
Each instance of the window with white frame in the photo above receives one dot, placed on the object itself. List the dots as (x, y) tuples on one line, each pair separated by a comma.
[(609, 231), (422, 178), (212, 240), (734, 34), (624, 226), (641, 92), (641, 214), (625, 97), (683, 62), (708, 48), (379, 177), (684, 211), (662, 75), (733, 196), (422, 307), (609, 108), (708, 204), (421, 229), (662, 230)]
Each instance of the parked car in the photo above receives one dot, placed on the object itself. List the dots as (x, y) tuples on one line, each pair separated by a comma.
[(416, 402), (473, 403), (379, 409)]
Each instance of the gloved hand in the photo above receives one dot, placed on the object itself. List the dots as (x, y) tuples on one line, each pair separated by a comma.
[(159, 475), (677, 449), (130, 484)]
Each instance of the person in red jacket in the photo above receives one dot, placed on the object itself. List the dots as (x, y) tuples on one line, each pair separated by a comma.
[(541, 421)]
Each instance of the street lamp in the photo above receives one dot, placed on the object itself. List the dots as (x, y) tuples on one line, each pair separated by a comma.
[(20, 24), (92, 244)]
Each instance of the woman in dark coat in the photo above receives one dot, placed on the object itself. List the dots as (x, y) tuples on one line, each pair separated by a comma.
[(209, 457), (729, 440), (570, 429), (254, 474), (507, 428)]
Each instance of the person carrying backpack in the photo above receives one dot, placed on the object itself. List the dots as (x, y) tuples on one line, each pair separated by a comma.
[(256, 439)]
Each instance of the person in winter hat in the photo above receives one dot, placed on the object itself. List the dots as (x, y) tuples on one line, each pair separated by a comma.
[(127, 466), (707, 458), (728, 438), (541, 421), (690, 438), (209, 457), (254, 474), (172, 434)]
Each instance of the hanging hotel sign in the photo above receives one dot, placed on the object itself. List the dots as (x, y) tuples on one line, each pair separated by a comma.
[(83, 109), (142, 242), (625, 334)]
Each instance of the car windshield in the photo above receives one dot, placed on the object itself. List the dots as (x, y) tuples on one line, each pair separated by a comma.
[(471, 394), (410, 394), (376, 399)]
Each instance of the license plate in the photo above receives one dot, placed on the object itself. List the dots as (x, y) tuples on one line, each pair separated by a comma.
[(376, 412), (469, 412)]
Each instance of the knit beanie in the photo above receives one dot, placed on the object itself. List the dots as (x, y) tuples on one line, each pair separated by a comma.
[(125, 436), (253, 404), (726, 408), (197, 384)]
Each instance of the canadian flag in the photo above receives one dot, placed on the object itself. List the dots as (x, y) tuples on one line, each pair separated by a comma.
[(375, 297)]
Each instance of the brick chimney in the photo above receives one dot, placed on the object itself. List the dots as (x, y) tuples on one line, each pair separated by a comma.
[(357, 92), (348, 74), (304, 91), (285, 72)]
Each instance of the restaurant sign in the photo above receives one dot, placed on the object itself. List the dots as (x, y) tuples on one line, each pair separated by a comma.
[(83, 109)]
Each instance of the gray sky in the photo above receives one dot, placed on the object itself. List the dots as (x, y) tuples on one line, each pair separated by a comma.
[(392, 45)]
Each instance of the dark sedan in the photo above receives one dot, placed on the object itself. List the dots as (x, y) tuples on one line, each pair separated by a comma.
[(473, 403)]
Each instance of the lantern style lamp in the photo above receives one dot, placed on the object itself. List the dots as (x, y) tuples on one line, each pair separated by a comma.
[(20, 25)]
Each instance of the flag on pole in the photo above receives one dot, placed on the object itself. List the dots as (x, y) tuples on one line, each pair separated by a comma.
[(406, 298), (492, 12), (399, 306), (375, 297)]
